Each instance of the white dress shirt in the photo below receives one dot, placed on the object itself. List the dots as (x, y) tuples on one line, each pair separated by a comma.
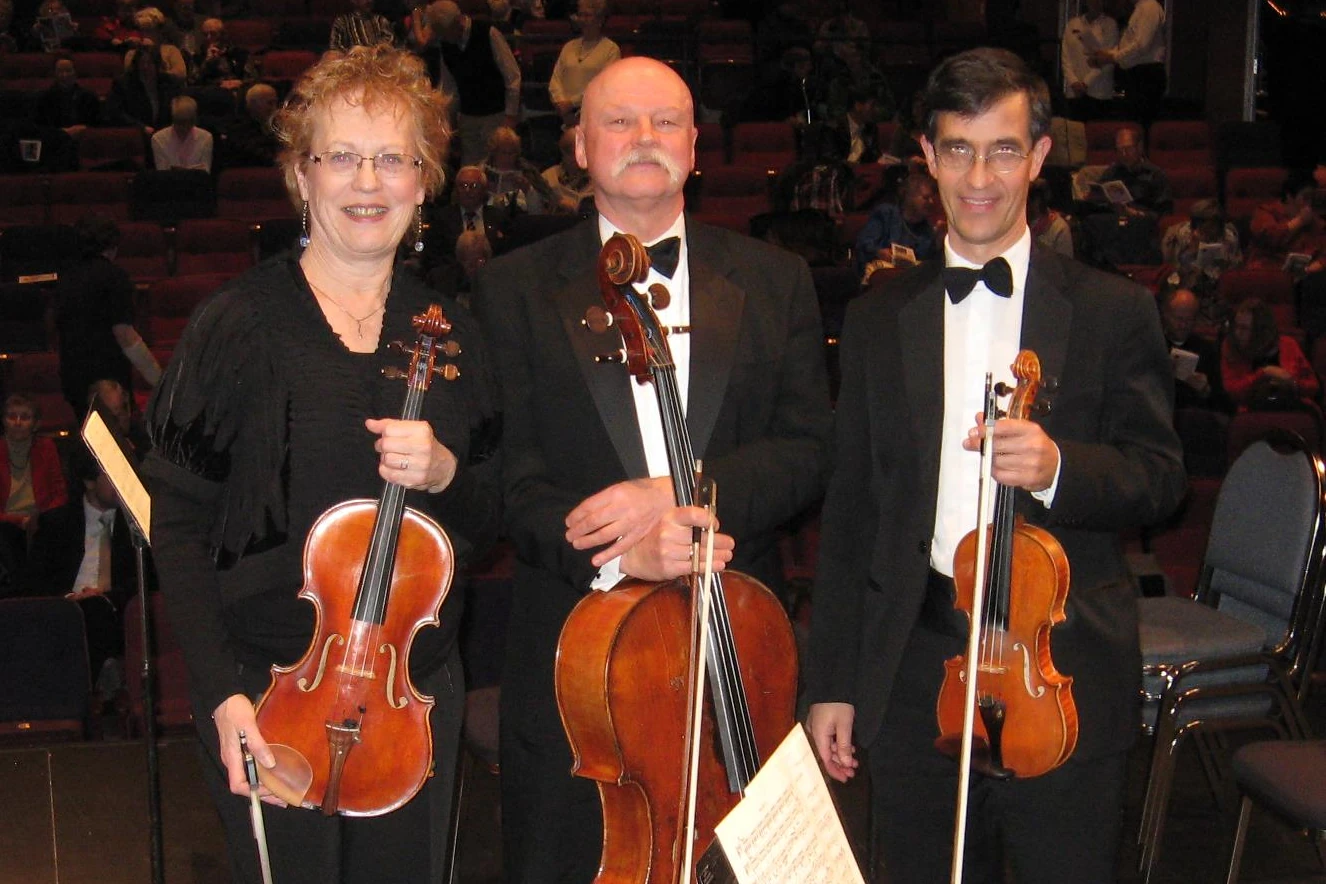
[(677, 313), (193, 151), (1082, 37), (96, 531), (1143, 40), (982, 334)]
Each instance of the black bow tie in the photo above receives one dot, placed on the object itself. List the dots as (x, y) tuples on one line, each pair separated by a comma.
[(664, 255), (996, 274)]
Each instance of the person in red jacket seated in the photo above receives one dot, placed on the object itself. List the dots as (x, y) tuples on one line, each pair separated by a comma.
[(1260, 366), (31, 480)]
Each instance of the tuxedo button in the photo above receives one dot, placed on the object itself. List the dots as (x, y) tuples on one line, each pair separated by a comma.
[(923, 547)]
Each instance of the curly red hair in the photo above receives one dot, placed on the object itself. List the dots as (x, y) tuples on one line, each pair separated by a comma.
[(376, 77)]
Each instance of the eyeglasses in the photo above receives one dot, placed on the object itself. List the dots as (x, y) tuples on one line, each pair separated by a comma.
[(961, 157), (471, 185), (346, 162)]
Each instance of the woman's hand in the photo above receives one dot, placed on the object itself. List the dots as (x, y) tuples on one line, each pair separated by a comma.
[(410, 456), (233, 716)]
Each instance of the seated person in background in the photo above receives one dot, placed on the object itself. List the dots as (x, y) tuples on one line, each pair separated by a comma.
[(119, 31), (906, 223), (467, 210), (1049, 229), (1260, 367), (570, 184), (1146, 181), (849, 73), (141, 96), (1203, 247), (473, 252), (187, 27), (360, 27), (217, 63), (119, 405), (909, 129), (1288, 226), (857, 128), (83, 551), (151, 24), (182, 144), (820, 180), (513, 181), (580, 59), (95, 318), (1201, 387), (67, 105), (31, 481), (53, 28), (249, 140)]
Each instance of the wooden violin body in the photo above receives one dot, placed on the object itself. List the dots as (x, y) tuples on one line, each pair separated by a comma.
[(348, 729), (354, 665), (623, 700)]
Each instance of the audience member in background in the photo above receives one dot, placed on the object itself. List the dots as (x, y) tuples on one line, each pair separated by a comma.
[(471, 60), (821, 179), (905, 223), (142, 95), (1261, 368), (151, 24), (1288, 226), (83, 550), (54, 28), (580, 59), (188, 28), (858, 129), (852, 76), (31, 481), (473, 252), (1089, 89), (67, 105), (841, 34), (1139, 60), (119, 31), (570, 184), (1202, 247), (910, 127), (513, 181), (95, 319), (468, 210), (1049, 229), (1147, 182), (361, 27), (182, 144), (217, 63), (118, 403), (248, 140), (1199, 386)]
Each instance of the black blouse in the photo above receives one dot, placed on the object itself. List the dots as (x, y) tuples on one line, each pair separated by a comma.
[(258, 428)]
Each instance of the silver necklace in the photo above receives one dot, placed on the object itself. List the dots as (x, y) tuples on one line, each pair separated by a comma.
[(358, 320)]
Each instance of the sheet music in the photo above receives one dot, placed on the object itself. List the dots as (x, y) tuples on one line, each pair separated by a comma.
[(786, 829), (109, 452)]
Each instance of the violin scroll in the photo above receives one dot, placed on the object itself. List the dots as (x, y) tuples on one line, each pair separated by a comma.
[(624, 260)]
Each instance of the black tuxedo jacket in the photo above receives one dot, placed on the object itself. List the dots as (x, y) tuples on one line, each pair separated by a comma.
[(757, 406), (1121, 466)]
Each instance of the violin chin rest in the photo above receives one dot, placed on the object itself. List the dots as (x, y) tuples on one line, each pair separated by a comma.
[(292, 776)]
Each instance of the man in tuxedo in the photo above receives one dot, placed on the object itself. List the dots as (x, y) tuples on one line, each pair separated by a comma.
[(904, 492), (587, 487)]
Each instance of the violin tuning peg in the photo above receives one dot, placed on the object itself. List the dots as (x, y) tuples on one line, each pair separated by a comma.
[(451, 349), (1002, 389), (1042, 408), (597, 320), (659, 297), (617, 358), (396, 347), (392, 373), (448, 372), (1049, 385)]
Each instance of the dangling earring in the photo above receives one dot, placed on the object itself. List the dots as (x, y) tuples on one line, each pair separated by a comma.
[(419, 228), (303, 234)]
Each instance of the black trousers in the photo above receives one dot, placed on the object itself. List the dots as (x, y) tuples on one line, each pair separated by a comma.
[(1144, 88), (406, 846), (1063, 826)]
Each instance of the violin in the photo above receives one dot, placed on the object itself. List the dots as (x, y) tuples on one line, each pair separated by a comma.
[(632, 661), (1004, 710), (349, 731)]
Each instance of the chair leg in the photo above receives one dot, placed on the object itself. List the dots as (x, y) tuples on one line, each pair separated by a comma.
[(1240, 835), (1162, 775)]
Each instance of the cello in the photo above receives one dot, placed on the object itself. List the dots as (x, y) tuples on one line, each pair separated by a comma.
[(1004, 710), (629, 661), (349, 731)]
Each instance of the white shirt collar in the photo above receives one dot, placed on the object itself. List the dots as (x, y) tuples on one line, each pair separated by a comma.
[(1018, 257), (677, 228)]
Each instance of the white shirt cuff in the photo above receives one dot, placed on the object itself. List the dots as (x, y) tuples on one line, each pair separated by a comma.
[(608, 577), (1046, 496)]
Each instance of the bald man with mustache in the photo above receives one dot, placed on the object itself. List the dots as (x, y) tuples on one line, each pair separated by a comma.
[(587, 487)]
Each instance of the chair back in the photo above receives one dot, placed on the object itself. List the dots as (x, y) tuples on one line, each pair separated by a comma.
[(1264, 558), (44, 678)]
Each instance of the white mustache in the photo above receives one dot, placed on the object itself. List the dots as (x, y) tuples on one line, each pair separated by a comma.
[(649, 155)]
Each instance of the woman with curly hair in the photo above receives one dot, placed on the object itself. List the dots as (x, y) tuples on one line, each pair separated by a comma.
[(274, 408), (1258, 364)]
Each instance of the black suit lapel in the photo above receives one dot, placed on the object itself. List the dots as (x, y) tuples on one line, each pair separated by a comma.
[(608, 383), (1047, 314), (921, 329), (716, 308)]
